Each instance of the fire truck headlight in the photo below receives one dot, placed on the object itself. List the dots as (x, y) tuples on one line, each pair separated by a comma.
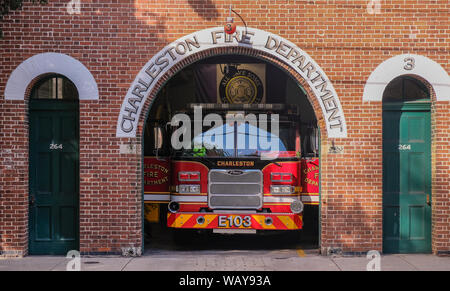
[(194, 189), (280, 189), (286, 189), (275, 189), (189, 189), (297, 207)]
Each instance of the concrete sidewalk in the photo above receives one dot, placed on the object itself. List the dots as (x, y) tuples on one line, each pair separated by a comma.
[(280, 260)]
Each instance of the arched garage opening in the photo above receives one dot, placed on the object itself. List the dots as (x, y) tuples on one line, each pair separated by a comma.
[(248, 42), (225, 80)]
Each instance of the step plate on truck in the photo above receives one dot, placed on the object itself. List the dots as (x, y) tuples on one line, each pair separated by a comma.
[(272, 221)]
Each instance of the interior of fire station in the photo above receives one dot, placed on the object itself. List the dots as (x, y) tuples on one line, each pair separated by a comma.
[(226, 80)]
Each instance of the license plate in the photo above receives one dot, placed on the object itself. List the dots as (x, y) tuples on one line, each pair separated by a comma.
[(231, 221)]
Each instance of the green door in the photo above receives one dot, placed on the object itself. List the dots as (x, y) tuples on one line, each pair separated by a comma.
[(54, 176), (407, 178)]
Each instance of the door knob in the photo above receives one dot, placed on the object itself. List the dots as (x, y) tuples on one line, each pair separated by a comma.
[(428, 199), (32, 200)]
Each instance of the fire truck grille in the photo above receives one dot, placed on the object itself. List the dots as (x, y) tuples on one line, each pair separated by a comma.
[(235, 189)]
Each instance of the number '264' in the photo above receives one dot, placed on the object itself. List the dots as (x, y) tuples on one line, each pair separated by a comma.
[(404, 147), (54, 146)]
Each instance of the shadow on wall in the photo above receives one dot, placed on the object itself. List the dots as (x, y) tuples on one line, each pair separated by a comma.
[(206, 9), (359, 234), (351, 222), (145, 12)]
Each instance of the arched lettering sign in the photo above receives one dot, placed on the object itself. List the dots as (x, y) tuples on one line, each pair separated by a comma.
[(253, 38)]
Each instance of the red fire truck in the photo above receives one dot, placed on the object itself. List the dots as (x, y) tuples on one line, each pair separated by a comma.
[(231, 184)]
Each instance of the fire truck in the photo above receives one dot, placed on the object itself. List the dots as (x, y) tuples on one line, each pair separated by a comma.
[(224, 179)]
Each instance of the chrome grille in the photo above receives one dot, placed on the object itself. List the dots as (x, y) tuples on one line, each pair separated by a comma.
[(235, 189)]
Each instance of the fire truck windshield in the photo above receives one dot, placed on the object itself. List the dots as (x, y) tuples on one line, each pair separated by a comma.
[(244, 139)]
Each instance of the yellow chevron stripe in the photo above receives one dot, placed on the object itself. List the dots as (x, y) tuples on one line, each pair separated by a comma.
[(174, 223), (287, 221), (181, 219), (208, 220), (260, 219)]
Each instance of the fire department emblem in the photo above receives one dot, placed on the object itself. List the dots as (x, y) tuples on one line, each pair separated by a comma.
[(243, 87)]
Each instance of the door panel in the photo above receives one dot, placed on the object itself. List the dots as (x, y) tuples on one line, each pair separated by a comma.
[(406, 179), (54, 177), (67, 225), (43, 180), (44, 131), (44, 221), (392, 229), (391, 173), (416, 173), (416, 129), (417, 229)]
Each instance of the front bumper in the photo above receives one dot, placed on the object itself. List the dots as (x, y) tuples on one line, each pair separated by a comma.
[(277, 221)]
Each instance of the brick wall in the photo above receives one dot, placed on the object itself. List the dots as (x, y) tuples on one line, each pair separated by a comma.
[(114, 40)]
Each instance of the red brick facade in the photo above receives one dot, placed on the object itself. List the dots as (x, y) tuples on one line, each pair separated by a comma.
[(114, 39)]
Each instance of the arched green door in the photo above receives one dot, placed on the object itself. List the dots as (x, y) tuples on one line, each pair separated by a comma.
[(407, 177), (54, 176)]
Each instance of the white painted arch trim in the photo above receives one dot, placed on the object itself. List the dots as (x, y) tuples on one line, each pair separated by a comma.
[(45, 63), (394, 67), (165, 59)]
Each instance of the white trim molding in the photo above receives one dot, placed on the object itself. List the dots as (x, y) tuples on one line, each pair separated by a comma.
[(253, 38), (407, 64), (45, 63)]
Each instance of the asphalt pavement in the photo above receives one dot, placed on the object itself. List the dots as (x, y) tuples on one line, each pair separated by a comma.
[(230, 253)]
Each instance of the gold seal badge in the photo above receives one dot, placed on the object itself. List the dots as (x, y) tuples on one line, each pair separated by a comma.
[(240, 90), (243, 87)]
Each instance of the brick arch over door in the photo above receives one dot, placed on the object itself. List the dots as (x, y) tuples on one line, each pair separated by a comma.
[(407, 64), (45, 63), (211, 42)]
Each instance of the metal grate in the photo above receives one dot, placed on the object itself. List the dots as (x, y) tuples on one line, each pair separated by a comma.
[(235, 189)]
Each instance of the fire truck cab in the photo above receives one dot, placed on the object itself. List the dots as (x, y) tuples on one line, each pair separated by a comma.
[(238, 169)]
